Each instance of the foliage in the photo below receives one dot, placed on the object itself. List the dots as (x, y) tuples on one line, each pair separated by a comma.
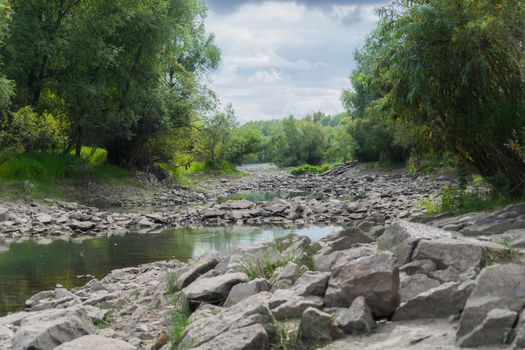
[(286, 337), (306, 168), (265, 266), (33, 131), (217, 133), (451, 74)]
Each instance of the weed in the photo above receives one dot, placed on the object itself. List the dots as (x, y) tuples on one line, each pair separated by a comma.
[(307, 168), (105, 322), (172, 284), (180, 319), (509, 336), (286, 337)]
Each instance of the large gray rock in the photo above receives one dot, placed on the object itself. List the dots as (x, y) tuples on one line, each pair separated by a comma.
[(253, 337), (492, 331), (311, 283), (250, 311), (91, 342), (402, 237), (47, 329), (258, 254), (439, 302), (325, 262), (286, 276), (424, 266), (242, 291), (345, 239), (207, 262), (213, 290), (236, 205), (376, 277), (318, 325), (412, 285), (509, 218), (4, 214), (444, 252), (497, 287), (285, 305), (357, 319)]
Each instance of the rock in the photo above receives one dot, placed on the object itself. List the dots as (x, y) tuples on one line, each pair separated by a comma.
[(402, 237), (357, 319), (237, 204), (286, 276), (492, 331), (205, 263), (410, 286), (242, 291), (286, 305), (250, 311), (253, 337), (497, 287), (346, 239), (50, 328), (210, 213), (445, 252), (424, 266), (311, 283), (317, 325), (35, 299), (509, 218), (44, 219), (439, 302), (82, 225), (376, 277), (519, 341), (212, 290), (326, 262), (4, 214), (91, 342), (257, 254)]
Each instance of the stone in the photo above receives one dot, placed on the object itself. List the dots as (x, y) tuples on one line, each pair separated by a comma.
[(4, 214), (242, 291), (439, 302), (210, 213), (82, 225), (444, 252), (256, 254), (326, 262), (287, 305), (376, 277), (402, 237), (346, 239), (44, 219), (311, 283), (50, 328), (423, 266), (317, 325), (237, 204), (91, 342), (509, 218), (212, 290), (410, 286), (253, 337), (286, 276), (250, 311), (38, 297), (357, 319), (205, 263), (497, 287), (492, 331)]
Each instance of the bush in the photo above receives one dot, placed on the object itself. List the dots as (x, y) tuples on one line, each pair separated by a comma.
[(307, 168), (42, 132)]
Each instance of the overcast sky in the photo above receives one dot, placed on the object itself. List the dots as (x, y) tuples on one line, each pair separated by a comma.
[(286, 57)]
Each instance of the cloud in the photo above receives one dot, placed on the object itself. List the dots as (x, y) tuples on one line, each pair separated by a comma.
[(286, 57)]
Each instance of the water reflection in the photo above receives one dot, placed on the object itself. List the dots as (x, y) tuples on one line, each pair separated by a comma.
[(31, 266)]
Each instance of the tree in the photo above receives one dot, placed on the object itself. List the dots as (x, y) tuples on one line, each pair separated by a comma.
[(6, 86), (217, 133)]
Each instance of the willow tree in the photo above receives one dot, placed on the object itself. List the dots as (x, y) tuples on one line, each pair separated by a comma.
[(453, 71)]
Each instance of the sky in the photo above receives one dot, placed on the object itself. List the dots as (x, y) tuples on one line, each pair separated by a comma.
[(286, 57)]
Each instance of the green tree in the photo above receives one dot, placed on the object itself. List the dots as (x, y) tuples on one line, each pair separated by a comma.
[(217, 134)]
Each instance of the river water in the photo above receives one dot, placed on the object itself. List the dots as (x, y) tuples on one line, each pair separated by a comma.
[(30, 266)]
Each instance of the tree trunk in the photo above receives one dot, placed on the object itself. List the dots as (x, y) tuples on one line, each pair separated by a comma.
[(78, 143)]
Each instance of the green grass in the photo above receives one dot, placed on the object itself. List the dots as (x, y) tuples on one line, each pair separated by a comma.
[(199, 171), (456, 200), (38, 174), (307, 168)]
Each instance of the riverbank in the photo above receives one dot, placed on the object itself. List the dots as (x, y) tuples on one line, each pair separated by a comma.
[(416, 285), (355, 195)]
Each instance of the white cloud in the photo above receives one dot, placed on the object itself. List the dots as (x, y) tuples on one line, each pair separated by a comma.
[(282, 58)]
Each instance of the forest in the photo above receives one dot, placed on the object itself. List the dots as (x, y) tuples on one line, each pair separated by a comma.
[(435, 79)]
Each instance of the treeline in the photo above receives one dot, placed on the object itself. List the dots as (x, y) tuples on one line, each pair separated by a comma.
[(124, 75), (445, 77)]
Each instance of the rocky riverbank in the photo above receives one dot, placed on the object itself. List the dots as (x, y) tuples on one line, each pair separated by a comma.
[(347, 196), (409, 285)]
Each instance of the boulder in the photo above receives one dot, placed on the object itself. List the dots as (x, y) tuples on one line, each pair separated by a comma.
[(286, 305), (206, 262), (91, 342), (4, 214), (497, 287), (236, 205), (402, 237), (439, 302), (346, 239), (376, 277), (323, 262), (311, 283), (492, 331), (317, 325), (252, 337), (210, 213), (50, 328), (250, 311), (213, 290), (424, 266), (357, 319), (509, 218), (286, 276), (44, 219), (257, 254), (242, 291), (444, 252), (410, 286), (82, 225)]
